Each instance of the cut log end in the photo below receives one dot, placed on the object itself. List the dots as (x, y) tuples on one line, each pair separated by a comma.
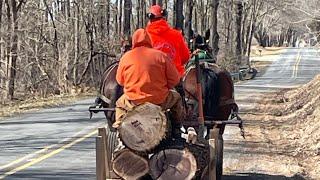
[(143, 128), (173, 164), (129, 165)]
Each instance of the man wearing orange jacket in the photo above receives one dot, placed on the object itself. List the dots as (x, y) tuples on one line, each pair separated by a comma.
[(167, 39), (147, 75)]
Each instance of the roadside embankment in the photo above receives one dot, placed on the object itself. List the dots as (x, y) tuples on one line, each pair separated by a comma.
[(290, 120)]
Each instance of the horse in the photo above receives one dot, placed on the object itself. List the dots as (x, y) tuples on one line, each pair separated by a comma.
[(109, 91), (218, 93)]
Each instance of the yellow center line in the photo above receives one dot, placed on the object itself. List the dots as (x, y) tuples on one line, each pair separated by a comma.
[(26, 157), (296, 65), (46, 156)]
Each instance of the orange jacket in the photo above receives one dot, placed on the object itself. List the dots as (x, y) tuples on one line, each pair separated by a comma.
[(146, 73), (169, 41)]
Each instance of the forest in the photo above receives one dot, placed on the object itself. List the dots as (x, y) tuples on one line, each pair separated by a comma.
[(52, 46)]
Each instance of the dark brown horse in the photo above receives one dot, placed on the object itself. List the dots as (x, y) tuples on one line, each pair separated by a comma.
[(110, 91), (218, 93)]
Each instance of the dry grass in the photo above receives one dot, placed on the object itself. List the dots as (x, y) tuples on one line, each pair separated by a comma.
[(266, 51), (34, 103)]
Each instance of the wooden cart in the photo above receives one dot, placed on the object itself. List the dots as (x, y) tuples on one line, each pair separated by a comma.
[(106, 141)]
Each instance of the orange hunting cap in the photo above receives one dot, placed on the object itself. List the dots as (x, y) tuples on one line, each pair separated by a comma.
[(157, 11)]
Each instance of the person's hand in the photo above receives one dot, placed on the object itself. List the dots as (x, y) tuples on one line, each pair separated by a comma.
[(196, 52)]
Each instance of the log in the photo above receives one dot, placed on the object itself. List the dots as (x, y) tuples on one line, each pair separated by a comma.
[(173, 164), (143, 128), (129, 165)]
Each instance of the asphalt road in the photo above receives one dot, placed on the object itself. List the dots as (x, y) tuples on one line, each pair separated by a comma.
[(56, 143), (291, 69), (59, 143)]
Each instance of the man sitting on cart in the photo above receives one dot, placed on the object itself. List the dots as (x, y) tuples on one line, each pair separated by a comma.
[(148, 75)]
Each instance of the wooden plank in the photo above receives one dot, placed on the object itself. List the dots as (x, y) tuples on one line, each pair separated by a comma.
[(103, 133), (219, 156), (100, 170), (212, 164)]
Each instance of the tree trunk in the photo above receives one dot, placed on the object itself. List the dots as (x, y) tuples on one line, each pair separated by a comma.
[(144, 13), (179, 14), (127, 17), (239, 32), (108, 17), (76, 44), (1, 48), (165, 5), (139, 14), (188, 22), (201, 17), (244, 30), (214, 27), (160, 2), (120, 16), (115, 18)]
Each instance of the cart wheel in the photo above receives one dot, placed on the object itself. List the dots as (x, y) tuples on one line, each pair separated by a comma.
[(111, 144)]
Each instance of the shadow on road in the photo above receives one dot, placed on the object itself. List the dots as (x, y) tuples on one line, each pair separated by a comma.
[(255, 176)]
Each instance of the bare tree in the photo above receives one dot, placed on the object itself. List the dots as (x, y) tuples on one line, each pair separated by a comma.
[(127, 17), (179, 14), (214, 27), (239, 9), (188, 20)]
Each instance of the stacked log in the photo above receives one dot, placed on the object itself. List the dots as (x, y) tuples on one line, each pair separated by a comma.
[(173, 164), (129, 165), (143, 128)]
